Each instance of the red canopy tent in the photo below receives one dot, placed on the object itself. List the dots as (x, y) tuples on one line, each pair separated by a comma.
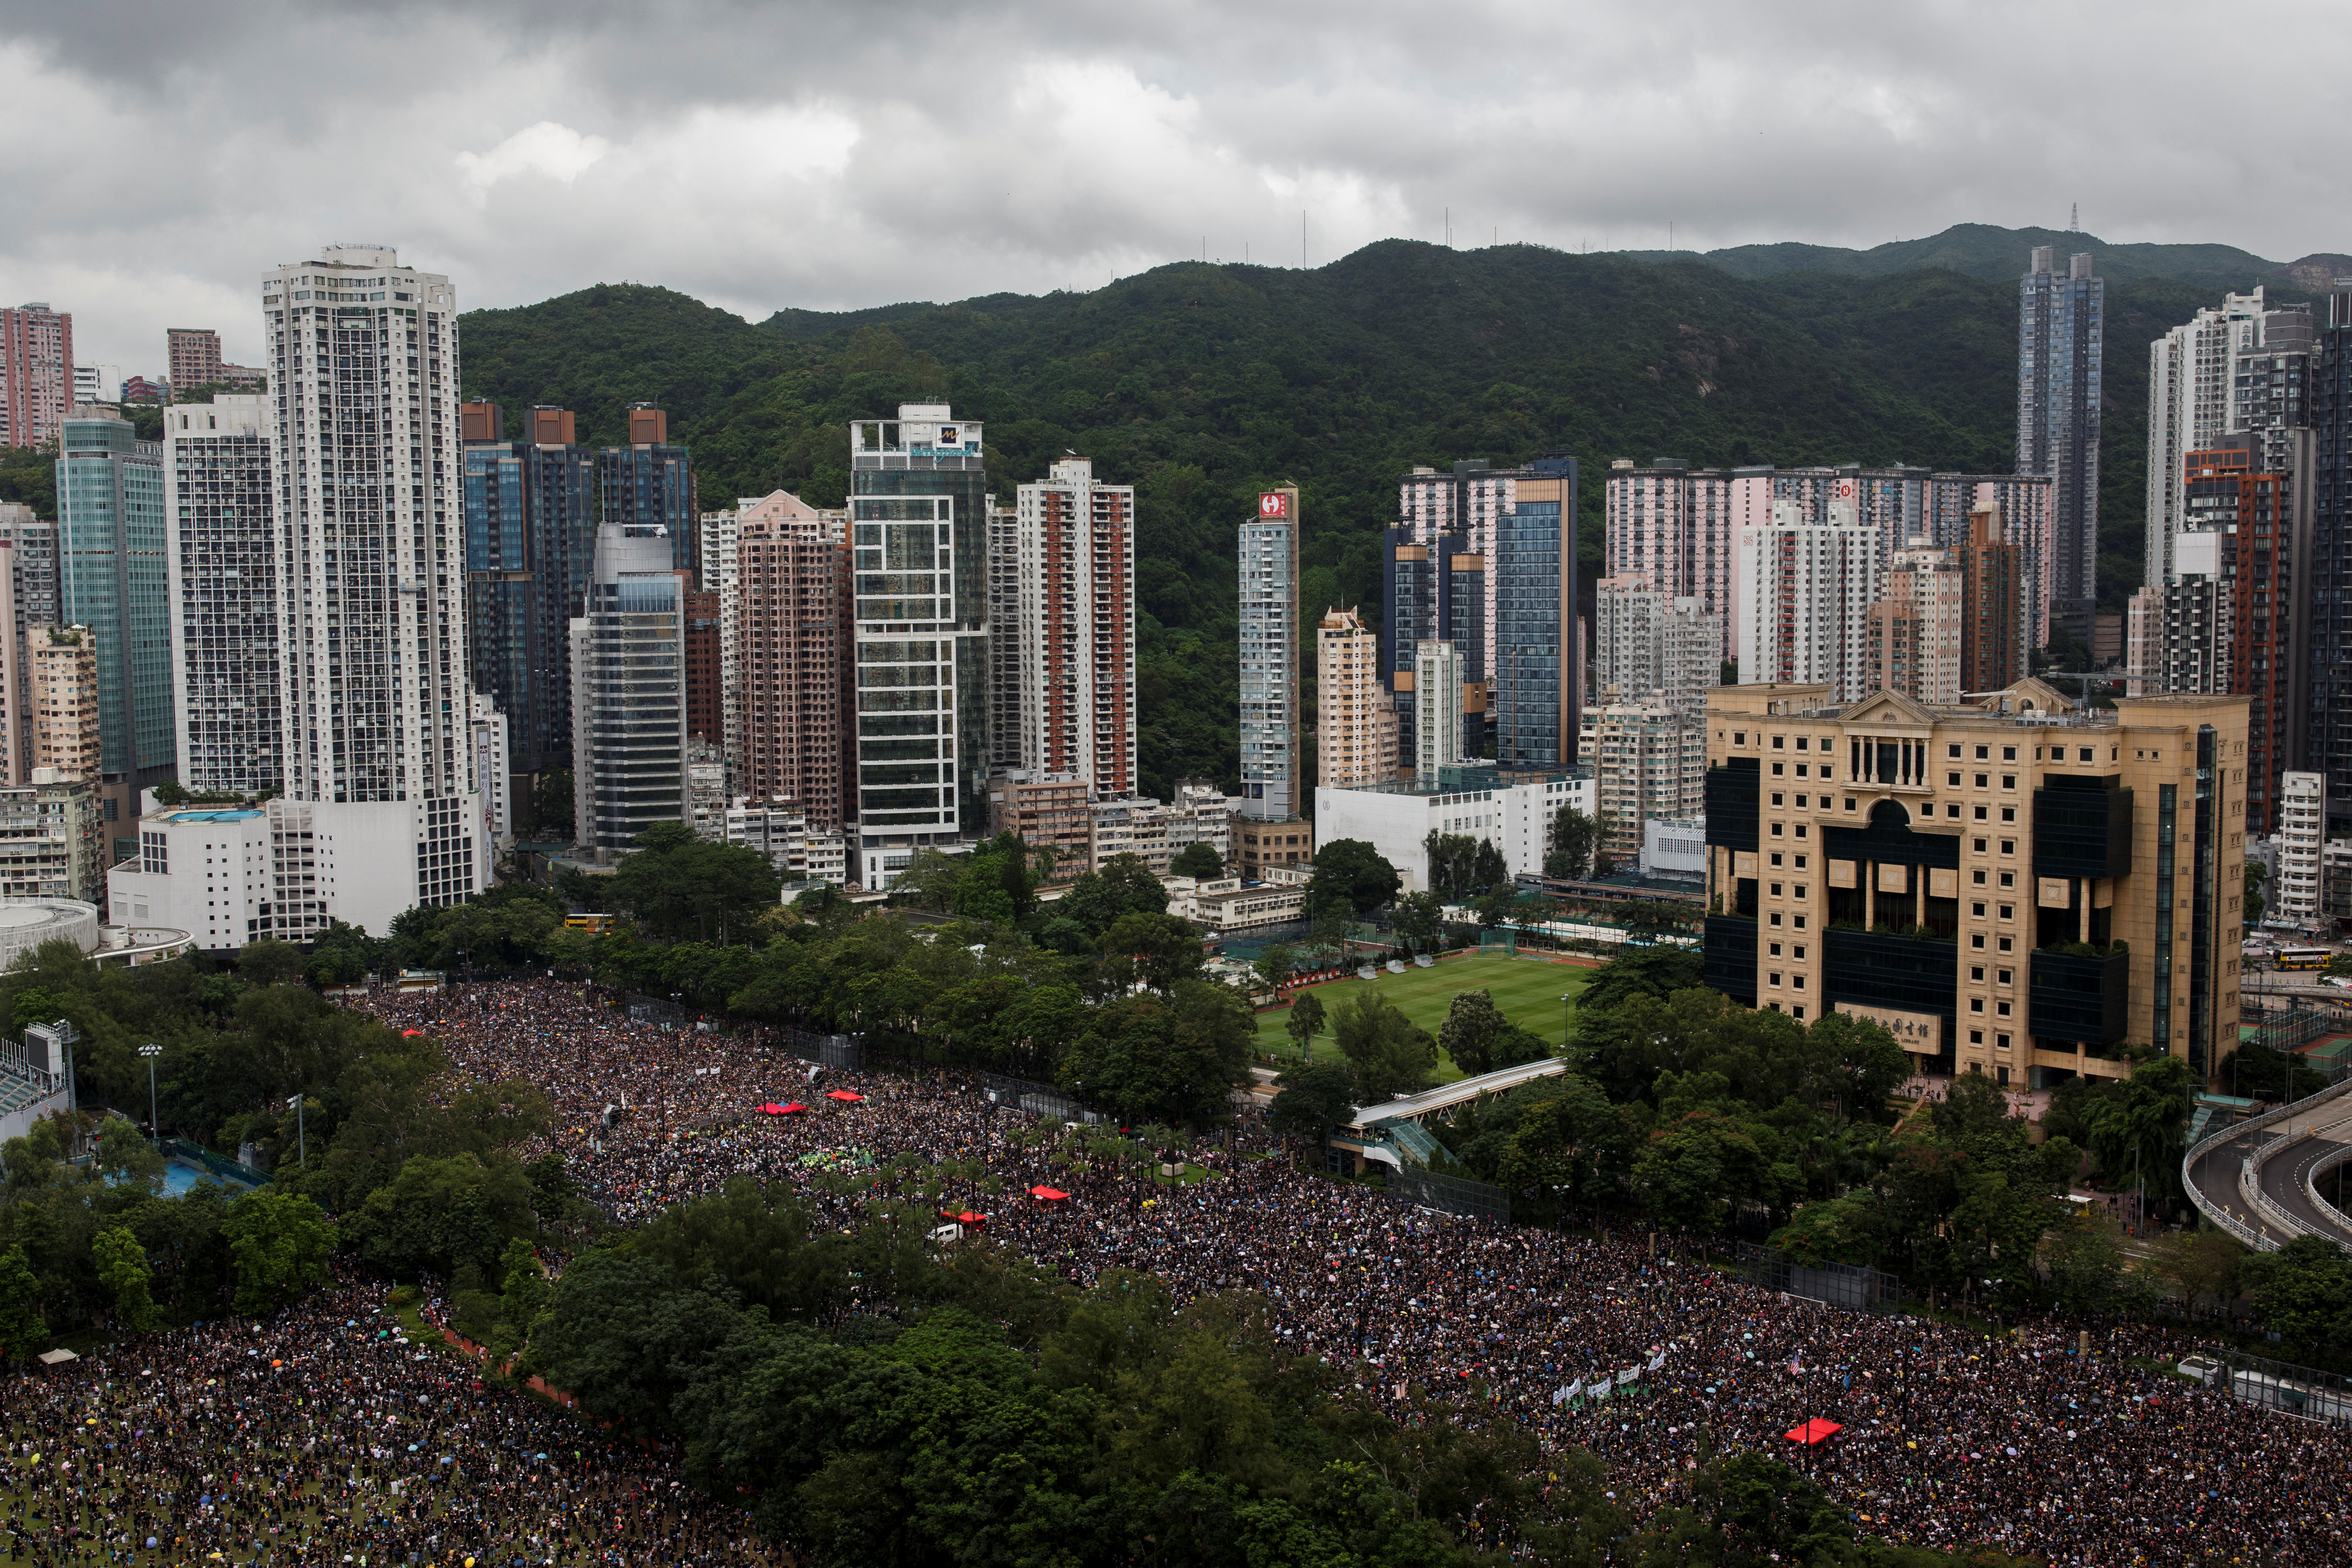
[(966, 1219), (1047, 1194), (794, 1108), (410, 1034), (843, 1096), (1813, 1432), (771, 1108)]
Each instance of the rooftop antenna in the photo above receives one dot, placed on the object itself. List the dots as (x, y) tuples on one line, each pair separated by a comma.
[(2074, 217)]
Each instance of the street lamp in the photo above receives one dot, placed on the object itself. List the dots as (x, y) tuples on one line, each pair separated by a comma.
[(302, 1134), (154, 1120)]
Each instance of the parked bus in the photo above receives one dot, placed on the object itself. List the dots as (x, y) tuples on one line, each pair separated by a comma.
[(2303, 958)]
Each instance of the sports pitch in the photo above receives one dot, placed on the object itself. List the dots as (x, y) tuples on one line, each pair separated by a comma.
[(1527, 990)]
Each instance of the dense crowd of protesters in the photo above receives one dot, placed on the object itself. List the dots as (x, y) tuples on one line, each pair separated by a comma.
[(323, 1434), (1947, 1436)]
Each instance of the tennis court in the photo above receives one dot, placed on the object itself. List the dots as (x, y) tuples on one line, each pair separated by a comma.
[(1527, 990)]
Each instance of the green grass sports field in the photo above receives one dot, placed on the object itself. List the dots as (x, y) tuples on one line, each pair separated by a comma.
[(1528, 991)]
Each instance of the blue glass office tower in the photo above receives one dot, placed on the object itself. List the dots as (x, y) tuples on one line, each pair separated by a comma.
[(114, 577), (650, 484), (1531, 703), (1486, 558), (530, 534)]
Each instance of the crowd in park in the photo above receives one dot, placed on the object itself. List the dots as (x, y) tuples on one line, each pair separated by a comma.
[(894, 1314), (325, 1433), (1948, 1436)]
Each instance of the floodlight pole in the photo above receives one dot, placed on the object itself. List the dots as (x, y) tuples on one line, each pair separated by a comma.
[(154, 1121)]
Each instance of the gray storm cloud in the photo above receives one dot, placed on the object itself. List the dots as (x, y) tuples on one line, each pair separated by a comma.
[(758, 156)]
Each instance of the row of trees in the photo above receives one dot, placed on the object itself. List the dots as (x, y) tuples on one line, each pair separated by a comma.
[(421, 1176), (883, 1404)]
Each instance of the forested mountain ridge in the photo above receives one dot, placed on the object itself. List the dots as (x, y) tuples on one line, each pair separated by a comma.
[(1984, 251), (1200, 383)]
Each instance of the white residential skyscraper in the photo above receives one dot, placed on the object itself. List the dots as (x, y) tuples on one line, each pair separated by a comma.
[(372, 632), (1805, 593), (720, 548), (2188, 403), (1269, 658), (1437, 708), (222, 563), (1068, 650)]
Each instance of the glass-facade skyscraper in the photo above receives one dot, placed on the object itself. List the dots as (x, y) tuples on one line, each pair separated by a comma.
[(649, 484), (1484, 558), (628, 704), (113, 577), (919, 543), (2060, 332), (530, 531), (1532, 690)]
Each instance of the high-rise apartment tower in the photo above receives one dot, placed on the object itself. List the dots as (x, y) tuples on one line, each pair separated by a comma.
[(1069, 649), (371, 611), (1355, 724), (222, 562), (37, 374), (792, 621), (1270, 754), (1992, 630), (2060, 335), (1804, 594)]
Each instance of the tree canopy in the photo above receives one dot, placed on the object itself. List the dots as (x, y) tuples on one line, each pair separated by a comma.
[(1350, 877)]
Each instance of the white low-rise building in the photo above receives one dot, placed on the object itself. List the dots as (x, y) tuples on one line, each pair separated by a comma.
[(1228, 903), (1674, 848), (1512, 814), (283, 869)]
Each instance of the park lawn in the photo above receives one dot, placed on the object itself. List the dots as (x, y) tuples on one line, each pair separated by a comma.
[(1527, 990)]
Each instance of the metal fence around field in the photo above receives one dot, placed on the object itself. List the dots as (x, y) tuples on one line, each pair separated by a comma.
[(1038, 1099), (844, 1053), (1843, 1285), (1452, 1195), (2283, 1387), (659, 1011)]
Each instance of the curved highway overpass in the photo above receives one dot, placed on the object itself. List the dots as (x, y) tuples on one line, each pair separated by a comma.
[(2258, 1180)]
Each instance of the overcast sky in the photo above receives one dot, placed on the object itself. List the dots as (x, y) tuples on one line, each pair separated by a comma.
[(847, 154)]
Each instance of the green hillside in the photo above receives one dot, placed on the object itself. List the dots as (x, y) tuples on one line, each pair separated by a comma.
[(1200, 382), (1999, 255)]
